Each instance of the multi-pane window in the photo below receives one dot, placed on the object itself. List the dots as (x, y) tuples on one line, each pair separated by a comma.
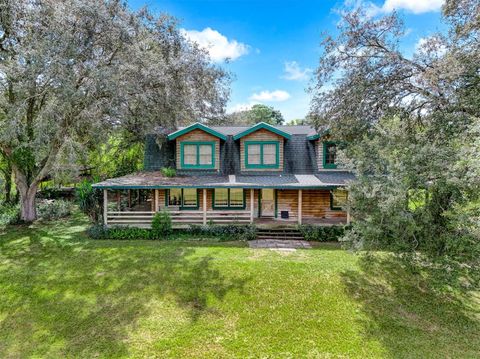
[(329, 155), (228, 198), (221, 197), (262, 154), (183, 197), (190, 155), (338, 198), (236, 197), (197, 154)]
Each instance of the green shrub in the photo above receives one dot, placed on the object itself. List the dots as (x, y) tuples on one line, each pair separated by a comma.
[(54, 209), (161, 225), (9, 214), (168, 172), (89, 200), (230, 232), (128, 233), (322, 233), (99, 231)]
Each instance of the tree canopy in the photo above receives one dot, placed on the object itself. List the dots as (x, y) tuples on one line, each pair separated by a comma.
[(411, 126), (73, 70), (258, 113)]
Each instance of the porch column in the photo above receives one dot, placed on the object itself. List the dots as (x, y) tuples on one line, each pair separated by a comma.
[(156, 201), (348, 215), (105, 206), (204, 206), (252, 201), (299, 206)]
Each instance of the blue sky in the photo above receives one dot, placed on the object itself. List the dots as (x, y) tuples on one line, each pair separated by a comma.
[(274, 45)]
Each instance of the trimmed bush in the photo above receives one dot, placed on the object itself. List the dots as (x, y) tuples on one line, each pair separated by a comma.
[(98, 231), (54, 209), (230, 232), (161, 225), (322, 233)]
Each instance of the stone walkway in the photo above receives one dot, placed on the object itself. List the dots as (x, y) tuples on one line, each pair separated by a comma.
[(283, 244)]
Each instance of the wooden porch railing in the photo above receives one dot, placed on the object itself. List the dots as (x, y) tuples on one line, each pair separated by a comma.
[(179, 218)]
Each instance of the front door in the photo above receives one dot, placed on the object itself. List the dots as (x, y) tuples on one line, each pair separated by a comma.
[(267, 202)]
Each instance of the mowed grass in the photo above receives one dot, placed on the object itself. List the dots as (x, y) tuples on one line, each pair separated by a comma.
[(63, 295)]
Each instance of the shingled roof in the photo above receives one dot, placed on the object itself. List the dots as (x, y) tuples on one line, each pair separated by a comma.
[(152, 180)]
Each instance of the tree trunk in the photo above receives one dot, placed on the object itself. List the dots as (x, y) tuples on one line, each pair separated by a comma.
[(28, 211), (28, 192), (8, 187)]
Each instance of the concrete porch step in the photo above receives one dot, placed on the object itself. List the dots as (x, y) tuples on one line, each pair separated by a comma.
[(280, 234)]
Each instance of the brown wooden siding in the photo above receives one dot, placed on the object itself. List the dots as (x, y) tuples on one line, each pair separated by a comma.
[(261, 135), (315, 204), (198, 136)]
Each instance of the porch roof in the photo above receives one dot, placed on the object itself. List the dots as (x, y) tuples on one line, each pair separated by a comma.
[(153, 180)]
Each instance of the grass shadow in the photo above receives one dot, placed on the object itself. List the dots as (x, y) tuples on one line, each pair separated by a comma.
[(68, 296), (408, 316)]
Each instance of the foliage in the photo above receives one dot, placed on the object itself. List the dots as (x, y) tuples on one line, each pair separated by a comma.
[(99, 231), (161, 225), (258, 113), (54, 209), (9, 214), (122, 154), (410, 125), (89, 200), (119, 71), (168, 171), (230, 232), (322, 233)]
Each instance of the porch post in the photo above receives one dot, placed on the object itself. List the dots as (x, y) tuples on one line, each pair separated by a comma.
[(348, 215), (105, 206), (156, 200), (204, 206), (299, 206), (252, 201)]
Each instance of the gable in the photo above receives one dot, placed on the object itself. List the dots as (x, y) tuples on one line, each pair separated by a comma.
[(262, 126)]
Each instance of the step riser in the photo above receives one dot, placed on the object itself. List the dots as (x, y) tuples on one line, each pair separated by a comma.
[(279, 234)]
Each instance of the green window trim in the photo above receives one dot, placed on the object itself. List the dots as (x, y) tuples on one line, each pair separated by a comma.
[(228, 201), (198, 144), (182, 207), (325, 164), (262, 125), (196, 126), (261, 164)]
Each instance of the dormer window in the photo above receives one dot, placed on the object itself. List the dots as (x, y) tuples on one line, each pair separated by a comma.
[(329, 155), (262, 154), (197, 155)]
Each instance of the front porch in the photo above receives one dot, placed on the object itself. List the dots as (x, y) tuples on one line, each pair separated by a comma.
[(266, 208)]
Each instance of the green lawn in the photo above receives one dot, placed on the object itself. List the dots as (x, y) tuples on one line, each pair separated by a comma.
[(63, 295)]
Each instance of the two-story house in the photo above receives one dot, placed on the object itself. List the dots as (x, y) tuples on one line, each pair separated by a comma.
[(259, 174)]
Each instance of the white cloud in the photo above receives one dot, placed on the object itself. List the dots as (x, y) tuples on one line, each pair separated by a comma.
[(294, 72), (415, 6), (271, 96), (218, 46)]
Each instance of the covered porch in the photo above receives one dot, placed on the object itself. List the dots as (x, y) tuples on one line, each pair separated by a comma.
[(264, 207)]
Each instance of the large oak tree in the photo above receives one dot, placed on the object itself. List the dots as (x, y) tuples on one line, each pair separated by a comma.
[(72, 70)]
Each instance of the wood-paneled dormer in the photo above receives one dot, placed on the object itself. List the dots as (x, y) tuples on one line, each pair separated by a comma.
[(262, 148), (197, 147)]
